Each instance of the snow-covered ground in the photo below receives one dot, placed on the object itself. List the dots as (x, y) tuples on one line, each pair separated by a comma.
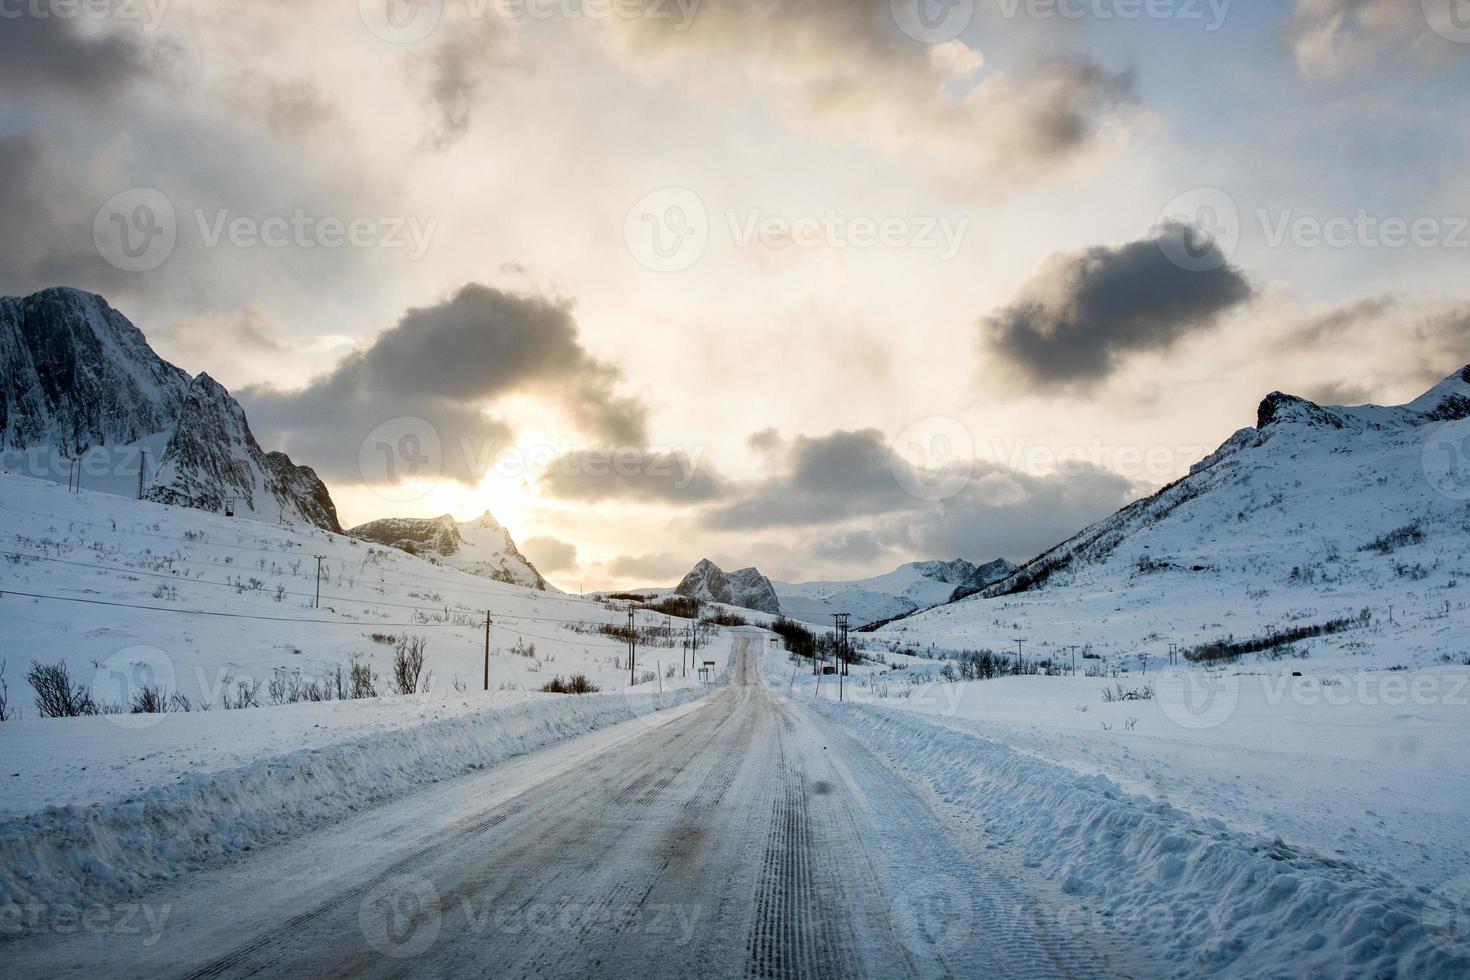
[(131, 594), (1261, 820)]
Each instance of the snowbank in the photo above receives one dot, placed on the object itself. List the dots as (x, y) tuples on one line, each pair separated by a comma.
[(1196, 895), (90, 854)]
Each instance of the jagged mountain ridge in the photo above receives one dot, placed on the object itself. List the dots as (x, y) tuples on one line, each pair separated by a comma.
[(79, 380), (746, 588), (480, 547)]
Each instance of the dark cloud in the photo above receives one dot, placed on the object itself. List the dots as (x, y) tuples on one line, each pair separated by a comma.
[(1084, 312), (1005, 513), (821, 480), (51, 54), (445, 364), (46, 217), (848, 501), (634, 474), (550, 555)]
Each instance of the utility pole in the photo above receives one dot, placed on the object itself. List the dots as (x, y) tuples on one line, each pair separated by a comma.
[(1019, 662), (1074, 660), (632, 646), (683, 668), (142, 470), (839, 621), (319, 559), (487, 649)]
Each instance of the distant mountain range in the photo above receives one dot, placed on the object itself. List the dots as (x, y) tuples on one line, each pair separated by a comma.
[(78, 382), (907, 589), (901, 592), (481, 546)]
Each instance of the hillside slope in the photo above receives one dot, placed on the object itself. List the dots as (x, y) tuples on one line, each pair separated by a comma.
[(1314, 515)]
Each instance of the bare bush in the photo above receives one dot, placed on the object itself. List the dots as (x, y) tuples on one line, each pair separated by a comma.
[(56, 696), (6, 714), (247, 695), (362, 681), (408, 665), (578, 684), (1117, 693)]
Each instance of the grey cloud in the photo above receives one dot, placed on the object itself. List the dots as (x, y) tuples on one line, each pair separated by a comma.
[(550, 555), (652, 568), (842, 495), (634, 474), (46, 213), (1034, 513), (445, 363), (51, 55), (847, 66), (822, 479), (1334, 38), (1339, 393), (457, 70), (1077, 319)]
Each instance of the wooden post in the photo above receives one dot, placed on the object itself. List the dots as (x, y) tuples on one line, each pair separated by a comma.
[(487, 649)]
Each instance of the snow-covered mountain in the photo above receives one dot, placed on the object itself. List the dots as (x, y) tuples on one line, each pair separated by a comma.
[(481, 547), (746, 588), (1313, 515), (78, 381), (906, 589)]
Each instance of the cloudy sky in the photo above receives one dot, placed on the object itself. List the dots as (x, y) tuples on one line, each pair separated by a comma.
[(822, 286)]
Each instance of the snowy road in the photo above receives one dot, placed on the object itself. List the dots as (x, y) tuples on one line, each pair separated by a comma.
[(739, 836)]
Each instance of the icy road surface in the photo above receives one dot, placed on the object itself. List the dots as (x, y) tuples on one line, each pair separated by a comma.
[(739, 836)]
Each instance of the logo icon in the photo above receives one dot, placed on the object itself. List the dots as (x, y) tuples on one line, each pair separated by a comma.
[(932, 21), (401, 916), (934, 458), (934, 914), (1450, 19), (1211, 235), (136, 230), (1447, 459), (667, 230), (402, 459), (401, 21), (1199, 699), (141, 680)]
